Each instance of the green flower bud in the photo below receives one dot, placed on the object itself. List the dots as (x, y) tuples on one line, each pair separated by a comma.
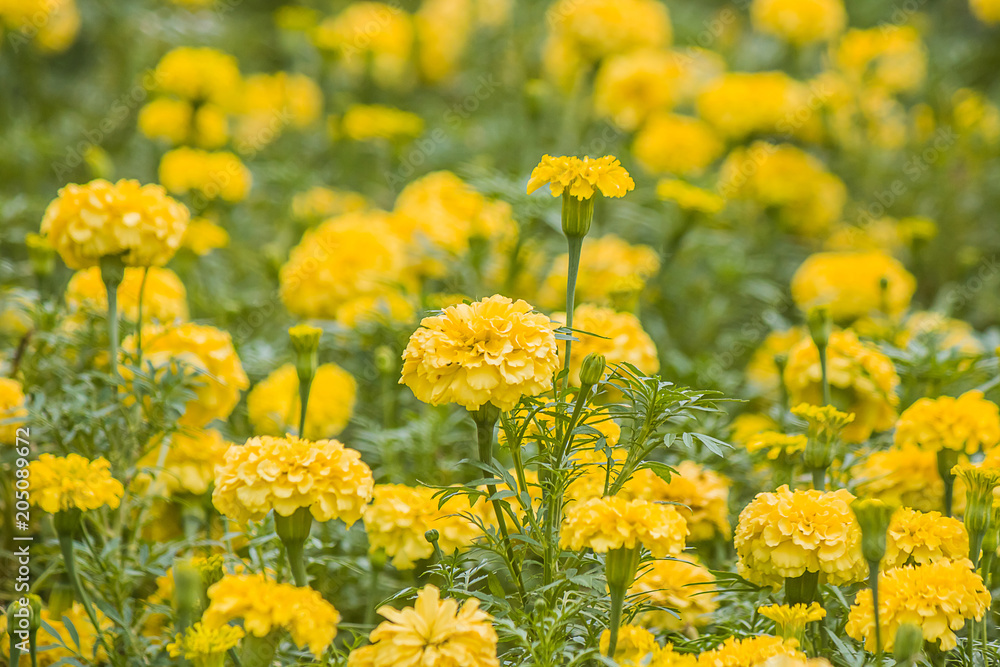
[(432, 536), (979, 484), (385, 359), (909, 642), (112, 271), (305, 340), (873, 517), (577, 214), (820, 325), (188, 592), (620, 566), (592, 369)]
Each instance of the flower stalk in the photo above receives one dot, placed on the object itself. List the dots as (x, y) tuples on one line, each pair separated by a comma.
[(293, 531), (112, 273), (305, 340), (620, 567)]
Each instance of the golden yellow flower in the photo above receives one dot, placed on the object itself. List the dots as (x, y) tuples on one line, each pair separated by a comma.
[(886, 234), (51, 24), (400, 515), (443, 31), (938, 596), (808, 198), (200, 75), (203, 236), (763, 372), (689, 197), (431, 633), (631, 86), (203, 642), (168, 119), (608, 265), (668, 657), (946, 333), (273, 404), (188, 464), (271, 102), (265, 606), (784, 534), (391, 308), (700, 495), (603, 524), (365, 122), (212, 175), (853, 284), (799, 21), (917, 537), (318, 202), (776, 445), (581, 177), (675, 144), (618, 336), (372, 39), (969, 423), (359, 254), (903, 477), (207, 354), (164, 298), (100, 219), (681, 585), (987, 11), (492, 351), (285, 474), (749, 652), (791, 619), (60, 483), (634, 644), (598, 28), (60, 643), (13, 412), (738, 104), (749, 424), (889, 57), (863, 381)]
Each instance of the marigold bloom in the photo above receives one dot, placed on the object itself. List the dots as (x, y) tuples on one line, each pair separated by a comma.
[(292, 99), (634, 644), (968, 424), (987, 11), (923, 537), (738, 104), (164, 298), (265, 605), (189, 463), (631, 86), (799, 21), (945, 333), (203, 642), (581, 177), (789, 618), (784, 534), (681, 585), (200, 75), (60, 483), (776, 445), (371, 38), (903, 477), (889, 57), (60, 644), (763, 372), (273, 405), (689, 197), (863, 377), (168, 119), (700, 495), (850, 284), (52, 25), (285, 474), (608, 266), (618, 336), (749, 652), (673, 144), (318, 202), (366, 122), (609, 523), (213, 175), (12, 410), (937, 596), (492, 351), (745, 426), (101, 219), (207, 354), (431, 633), (203, 236)]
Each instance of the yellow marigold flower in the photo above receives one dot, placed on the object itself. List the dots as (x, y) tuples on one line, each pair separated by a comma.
[(273, 404), (700, 495), (431, 633), (60, 483), (99, 219), (763, 372), (13, 412), (371, 38), (738, 104), (850, 284), (923, 537), (791, 619), (674, 144), (168, 119), (265, 606), (492, 351), (681, 585), (689, 197), (581, 177), (272, 101), (987, 11), (776, 445), (947, 333), (631, 86), (824, 421), (790, 661), (188, 466), (886, 234), (783, 535), (212, 175), (60, 644), (862, 377), (365, 122), (443, 31), (634, 644), (749, 652), (164, 298), (51, 24), (203, 236), (749, 424), (355, 255), (319, 202), (800, 21), (607, 263), (285, 474), (903, 477), (392, 308), (890, 57), (967, 424), (609, 523), (400, 515), (200, 75), (207, 353), (808, 197), (668, 657), (598, 28), (938, 596), (622, 339), (200, 643)]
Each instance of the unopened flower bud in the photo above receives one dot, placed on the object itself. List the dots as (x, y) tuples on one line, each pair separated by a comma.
[(909, 642), (577, 215), (620, 566), (873, 516), (820, 325), (188, 592), (432, 536), (385, 359), (592, 369), (305, 340)]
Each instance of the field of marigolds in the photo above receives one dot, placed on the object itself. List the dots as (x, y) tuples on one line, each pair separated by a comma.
[(487, 333)]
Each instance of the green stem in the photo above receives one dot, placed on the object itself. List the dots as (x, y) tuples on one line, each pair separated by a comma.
[(293, 531), (138, 324), (617, 605), (819, 479), (69, 561), (946, 460), (113, 327), (573, 268), (826, 380), (296, 561), (873, 572), (305, 385)]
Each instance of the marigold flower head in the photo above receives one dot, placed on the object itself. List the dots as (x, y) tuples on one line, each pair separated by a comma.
[(853, 284), (681, 585), (790, 620), (366, 122), (823, 420), (431, 633), (51, 25), (285, 474), (295, 99), (61, 644), (581, 177), (594, 29), (903, 477), (200, 75), (102, 219), (945, 333), (168, 119), (799, 21), (164, 298), (889, 57), (213, 175), (923, 537), (188, 466), (265, 605), (863, 381), (749, 652), (745, 426), (738, 104), (203, 236), (673, 144), (609, 523), (371, 38), (618, 336), (492, 351), (987, 11), (60, 483), (775, 445), (12, 410), (938, 596), (762, 371), (784, 534), (318, 202), (273, 405), (608, 265), (968, 424), (689, 197), (634, 644), (202, 642), (700, 495), (207, 353)]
